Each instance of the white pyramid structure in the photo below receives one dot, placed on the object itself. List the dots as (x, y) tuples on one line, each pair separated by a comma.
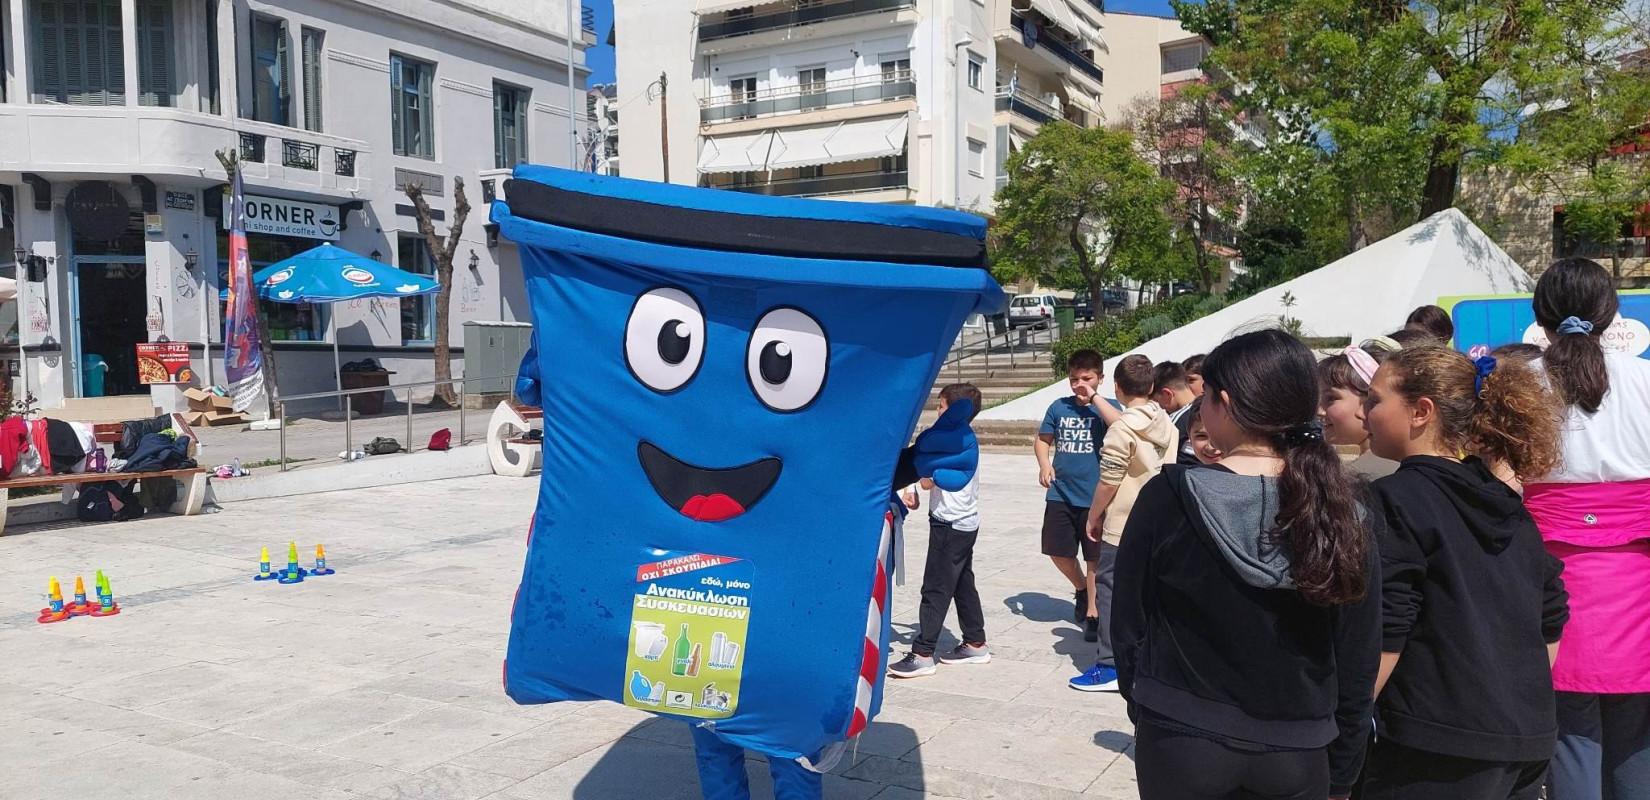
[(1365, 294)]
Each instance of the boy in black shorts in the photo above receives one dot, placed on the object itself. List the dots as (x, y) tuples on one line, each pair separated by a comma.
[(1068, 461)]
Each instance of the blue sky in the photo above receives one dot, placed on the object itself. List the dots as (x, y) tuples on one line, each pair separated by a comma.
[(600, 57)]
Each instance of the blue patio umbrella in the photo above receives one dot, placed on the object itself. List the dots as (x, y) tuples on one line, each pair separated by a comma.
[(329, 274)]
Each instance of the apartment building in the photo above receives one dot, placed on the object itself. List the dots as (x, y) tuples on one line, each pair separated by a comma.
[(897, 101), (111, 112)]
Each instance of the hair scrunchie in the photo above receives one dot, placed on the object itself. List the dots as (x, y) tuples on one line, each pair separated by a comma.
[(1485, 365), (1575, 325), (1304, 434)]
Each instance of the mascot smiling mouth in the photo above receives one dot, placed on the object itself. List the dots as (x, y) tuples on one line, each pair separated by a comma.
[(704, 494)]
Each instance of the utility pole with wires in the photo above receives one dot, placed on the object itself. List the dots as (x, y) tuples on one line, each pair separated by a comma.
[(663, 85)]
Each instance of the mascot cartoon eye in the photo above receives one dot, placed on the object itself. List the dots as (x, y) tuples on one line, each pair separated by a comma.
[(664, 341), (786, 359)]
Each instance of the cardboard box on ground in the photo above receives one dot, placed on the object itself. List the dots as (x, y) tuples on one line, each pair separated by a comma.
[(211, 409)]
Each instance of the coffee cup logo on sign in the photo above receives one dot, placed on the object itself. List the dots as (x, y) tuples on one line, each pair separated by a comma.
[(1625, 335)]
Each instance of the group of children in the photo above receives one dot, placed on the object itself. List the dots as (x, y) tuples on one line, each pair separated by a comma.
[(1352, 576)]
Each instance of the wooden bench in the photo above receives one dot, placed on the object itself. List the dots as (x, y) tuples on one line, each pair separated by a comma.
[(509, 452), (191, 494)]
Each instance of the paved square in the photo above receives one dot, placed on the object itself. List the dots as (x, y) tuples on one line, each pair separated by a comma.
[(383, 681)]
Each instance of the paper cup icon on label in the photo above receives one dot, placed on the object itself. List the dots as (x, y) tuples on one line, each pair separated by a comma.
[(650, 640)]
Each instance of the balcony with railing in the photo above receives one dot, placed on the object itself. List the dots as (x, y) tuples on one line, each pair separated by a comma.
[(744, 21), (1024, 104), (850, 183), (1058, 48), (812, 96)]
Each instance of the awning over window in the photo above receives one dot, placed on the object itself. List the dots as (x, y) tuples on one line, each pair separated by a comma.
[(713, 6), (1059, 11), (805, 146)]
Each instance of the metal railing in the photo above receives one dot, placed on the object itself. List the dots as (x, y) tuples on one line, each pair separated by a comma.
[(740, 22), (252, 147), (856, 90), (1024, 103), (1064, 51), (829, 184), (1015, 344), (281, 402), (343, 162), (300, 155), (587, 18)]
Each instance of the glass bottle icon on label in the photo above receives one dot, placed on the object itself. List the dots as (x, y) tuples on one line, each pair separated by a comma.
[(684, 652)]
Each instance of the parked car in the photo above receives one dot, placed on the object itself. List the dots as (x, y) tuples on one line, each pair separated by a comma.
[(1082, 307), (1114, 299), (1035, 310)]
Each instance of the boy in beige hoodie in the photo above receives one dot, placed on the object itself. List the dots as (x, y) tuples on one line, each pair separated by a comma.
[(1135, 448)]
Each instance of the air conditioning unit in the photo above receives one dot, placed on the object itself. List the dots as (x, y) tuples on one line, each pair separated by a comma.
[(1052, 100)]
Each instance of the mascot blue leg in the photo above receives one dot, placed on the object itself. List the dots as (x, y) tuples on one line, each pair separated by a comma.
[(722, 772)]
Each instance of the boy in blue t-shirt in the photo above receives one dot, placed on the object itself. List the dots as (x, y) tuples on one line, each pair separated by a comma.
[(1068, 461)]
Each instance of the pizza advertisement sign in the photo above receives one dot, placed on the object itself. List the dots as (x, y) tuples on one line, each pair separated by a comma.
[(164, 362)]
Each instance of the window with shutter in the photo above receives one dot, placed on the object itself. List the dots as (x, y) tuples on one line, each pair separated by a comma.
[(270, 73), (509, 126), (396, 133), (209, 93), (77, 52), (412, 107), (312, 78), (154, 35)]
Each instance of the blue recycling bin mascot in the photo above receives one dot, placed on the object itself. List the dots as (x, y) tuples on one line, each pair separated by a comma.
[(729, 382)]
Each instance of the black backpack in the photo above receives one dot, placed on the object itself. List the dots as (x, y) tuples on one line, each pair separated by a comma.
[(108, 501), (382, 446)]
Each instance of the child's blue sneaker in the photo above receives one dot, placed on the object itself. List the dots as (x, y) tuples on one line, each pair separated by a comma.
[(1099, 678)]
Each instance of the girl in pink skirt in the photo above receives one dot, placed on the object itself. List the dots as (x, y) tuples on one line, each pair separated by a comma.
[(1594, 515)]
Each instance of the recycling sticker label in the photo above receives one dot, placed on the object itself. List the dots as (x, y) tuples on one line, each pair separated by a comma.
[(687, 635)]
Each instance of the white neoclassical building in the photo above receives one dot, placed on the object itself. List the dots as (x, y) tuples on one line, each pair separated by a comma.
[(111, 112)]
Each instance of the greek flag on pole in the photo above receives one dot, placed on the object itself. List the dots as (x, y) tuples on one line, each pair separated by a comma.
[(242, 356)]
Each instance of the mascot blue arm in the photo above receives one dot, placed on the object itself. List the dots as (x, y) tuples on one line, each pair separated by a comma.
[(728, 381)]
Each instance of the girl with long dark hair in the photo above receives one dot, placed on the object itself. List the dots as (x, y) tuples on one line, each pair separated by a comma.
[(1594, 514), (1246, 630)]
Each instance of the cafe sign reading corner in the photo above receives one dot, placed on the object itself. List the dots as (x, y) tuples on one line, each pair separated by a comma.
[(287, 217)]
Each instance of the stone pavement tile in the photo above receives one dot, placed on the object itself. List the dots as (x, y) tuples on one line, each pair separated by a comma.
[(527, 754), (1117, 781), (45, 661), (270, 758), (348, 646), (119, 722), (264, 686), (481, 697), (421, 741), (133, 692), (443, 782), (897, 731), (1041, 752), (904, 694), (934, 781), (663, 731), (902, 793), (322, 721), (34, 741), (639, 768), (1001, 679), (467, 665), (134, 771)]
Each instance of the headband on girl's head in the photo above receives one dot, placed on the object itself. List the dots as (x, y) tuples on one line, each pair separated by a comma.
[(1362, 363), (1575, 325), (1386, 343)]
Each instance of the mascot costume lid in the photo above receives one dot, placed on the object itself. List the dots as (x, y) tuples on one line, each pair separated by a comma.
[(728, 381)]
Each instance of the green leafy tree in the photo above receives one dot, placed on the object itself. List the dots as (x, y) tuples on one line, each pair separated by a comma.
[(1378, 104), (1589, 148), (1080, 206)]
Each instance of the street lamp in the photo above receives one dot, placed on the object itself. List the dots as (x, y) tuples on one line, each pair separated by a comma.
[(375, 255), (191, 259), (17, 256)]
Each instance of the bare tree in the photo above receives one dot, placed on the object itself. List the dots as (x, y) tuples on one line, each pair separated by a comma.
[(1189, 136), (441, 257)]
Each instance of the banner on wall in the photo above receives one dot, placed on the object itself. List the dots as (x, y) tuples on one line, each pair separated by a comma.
[(164, 362), (242, 354), (1483, 323)]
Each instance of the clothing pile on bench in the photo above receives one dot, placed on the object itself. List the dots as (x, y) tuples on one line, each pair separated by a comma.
[(44, 447)]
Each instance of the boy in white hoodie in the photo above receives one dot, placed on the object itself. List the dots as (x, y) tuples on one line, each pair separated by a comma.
[(1135, 448)]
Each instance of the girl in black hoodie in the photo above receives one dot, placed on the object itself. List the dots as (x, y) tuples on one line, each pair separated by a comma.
[(1246, 631), (1472, 604)]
